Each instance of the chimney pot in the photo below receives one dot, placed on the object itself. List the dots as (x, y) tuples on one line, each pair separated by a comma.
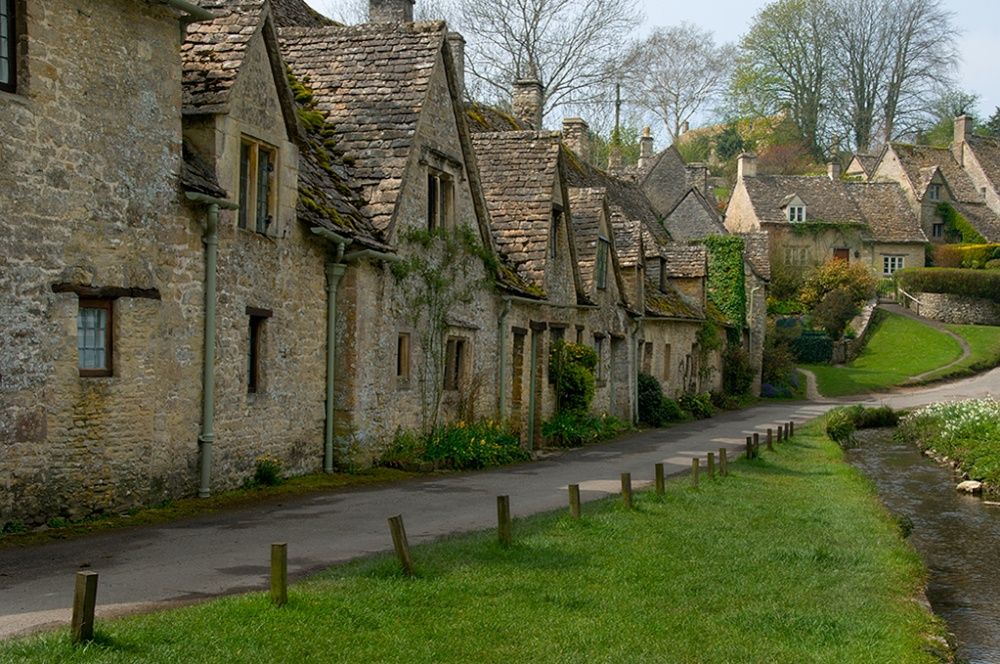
[(527, 102), (746, 166), (390, 11), (576, 136)]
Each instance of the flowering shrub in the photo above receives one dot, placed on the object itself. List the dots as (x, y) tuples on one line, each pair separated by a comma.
[(573, 429), (267, 472), (965, 430), (459, 446)]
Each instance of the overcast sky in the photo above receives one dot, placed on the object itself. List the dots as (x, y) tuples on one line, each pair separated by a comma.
[(979, 21)]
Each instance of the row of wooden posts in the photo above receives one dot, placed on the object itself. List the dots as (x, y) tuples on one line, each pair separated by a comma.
[(85, 596)]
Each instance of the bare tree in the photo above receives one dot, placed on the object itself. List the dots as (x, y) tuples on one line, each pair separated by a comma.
[(570, 46), (676, 72), (785, 65), (922, 59)]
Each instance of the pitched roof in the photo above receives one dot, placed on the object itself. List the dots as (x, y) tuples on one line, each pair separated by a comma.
[(296, 13), (213, 52), (886, 211), (685, 262), (694, 218), (518, 170), (758, 253), (868, 162), (628, 239), (197, 175), (920, 161), (669, 303), (987, 151), (370, 82), (667, 175), (587, 208), (982, 219)]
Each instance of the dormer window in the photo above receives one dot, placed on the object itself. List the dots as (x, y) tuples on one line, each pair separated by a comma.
[(258, 185), (934, 192), (796, 213), (8, 46)]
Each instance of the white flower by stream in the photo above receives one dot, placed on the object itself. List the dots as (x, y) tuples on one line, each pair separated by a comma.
[(958, 420)]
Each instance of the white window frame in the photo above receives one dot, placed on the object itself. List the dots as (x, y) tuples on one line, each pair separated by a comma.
[(891, 263), (796, 214)]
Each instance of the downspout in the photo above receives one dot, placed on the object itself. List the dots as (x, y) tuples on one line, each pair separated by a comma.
[(634, 373), (502, 355), (194, 13), (334, 271), (532, 386), (210, 238)]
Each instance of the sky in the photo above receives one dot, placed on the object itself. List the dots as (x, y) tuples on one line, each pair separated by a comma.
[(979, 21)]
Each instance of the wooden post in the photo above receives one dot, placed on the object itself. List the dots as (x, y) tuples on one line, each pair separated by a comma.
[(711, 465), (627, 489), (574, 501), (723, 462), (781, 433), (695, 467), (661, 481), (84, 602), (770, 439), (756, 445), (400, 543), (791, 429), (749, 447), (279, 574), (504, 526)]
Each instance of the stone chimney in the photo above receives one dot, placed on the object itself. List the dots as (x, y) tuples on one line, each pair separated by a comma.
[(697, 176), (527, 102), (645, 149), (390, 11), (833, 169), (746, 166), (615, 159), (963, 129), (685, 127), (576, 136), (456, 44)]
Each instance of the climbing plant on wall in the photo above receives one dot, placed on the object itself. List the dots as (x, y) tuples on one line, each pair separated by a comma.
[(957, 227), (442, 272), (726, 279)]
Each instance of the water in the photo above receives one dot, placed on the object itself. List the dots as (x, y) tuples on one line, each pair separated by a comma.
[(957, 535)]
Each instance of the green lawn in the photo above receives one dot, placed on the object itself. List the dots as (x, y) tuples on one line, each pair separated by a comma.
[(984, 341), (897, 349), (790, 559)]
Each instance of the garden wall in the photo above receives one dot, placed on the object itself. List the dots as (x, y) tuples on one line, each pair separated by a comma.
[(958, 309)]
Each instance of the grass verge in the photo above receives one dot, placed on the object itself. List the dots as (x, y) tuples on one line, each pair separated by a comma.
[(984, 344), (790, 559), (898, 349), (185, 508)]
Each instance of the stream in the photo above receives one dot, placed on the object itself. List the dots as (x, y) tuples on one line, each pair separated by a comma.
[(958, 537)]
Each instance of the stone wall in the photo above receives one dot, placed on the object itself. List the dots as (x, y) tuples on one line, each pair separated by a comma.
[(90, 198), (958, 309)]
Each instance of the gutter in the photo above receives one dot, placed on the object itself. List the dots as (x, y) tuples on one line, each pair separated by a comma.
[(195, 14), (502, 357), (210, 238)]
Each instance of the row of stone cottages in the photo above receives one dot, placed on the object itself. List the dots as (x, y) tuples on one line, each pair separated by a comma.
[(271, 181)]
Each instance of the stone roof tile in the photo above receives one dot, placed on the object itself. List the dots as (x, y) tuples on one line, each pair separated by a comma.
[(198, 176), (886, 211), (918, 162), (586, 208), (987, 151), (758, 253), (685, 262)]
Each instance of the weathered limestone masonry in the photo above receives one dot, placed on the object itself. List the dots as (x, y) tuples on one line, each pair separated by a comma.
[(90, 154), (958, 309)]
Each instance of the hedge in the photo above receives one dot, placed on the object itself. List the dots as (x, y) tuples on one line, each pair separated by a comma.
[(973, 283), (813, 348), (975, 256)]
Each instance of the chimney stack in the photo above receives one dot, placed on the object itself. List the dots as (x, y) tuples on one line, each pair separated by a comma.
[(390, 11), (645, 149), (527, 102), (833, 169), (963, 129), (697, 176), (576, 136), (456, 44), (746, 166), (685, 127)]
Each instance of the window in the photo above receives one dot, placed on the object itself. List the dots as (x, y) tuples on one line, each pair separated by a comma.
[(403, 360), (258, 187), (796, 256), (603, 248), (454, 363), (842, 254), (666, 361), (440, 196), (94, 337), (663, 275), (937, 230), (796, 213), (557, 214), (255, 348), (892, 263), (934, 192), (8, 46)]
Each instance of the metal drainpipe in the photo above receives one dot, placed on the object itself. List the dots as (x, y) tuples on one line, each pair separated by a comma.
[(207, 437), (634, 374), (502, 355), (334, 271)]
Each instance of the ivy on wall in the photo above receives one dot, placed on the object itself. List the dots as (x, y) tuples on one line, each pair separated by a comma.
[(726, 278), (957, 226)]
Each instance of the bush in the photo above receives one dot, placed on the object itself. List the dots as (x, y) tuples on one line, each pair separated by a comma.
[(655, 409), (460, 446), (699, 406), (855, 278), (974, 283), (969, 256), (737, 371), (834, 312), (840, 427), (874, 418), (574, 429), (267, 472), (993, 264), (813, 348), (572, 368)]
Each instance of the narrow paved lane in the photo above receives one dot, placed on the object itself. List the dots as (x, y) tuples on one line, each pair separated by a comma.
[(228, 552)]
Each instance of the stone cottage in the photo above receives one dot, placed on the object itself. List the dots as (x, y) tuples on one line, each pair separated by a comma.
[(813, 219)]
